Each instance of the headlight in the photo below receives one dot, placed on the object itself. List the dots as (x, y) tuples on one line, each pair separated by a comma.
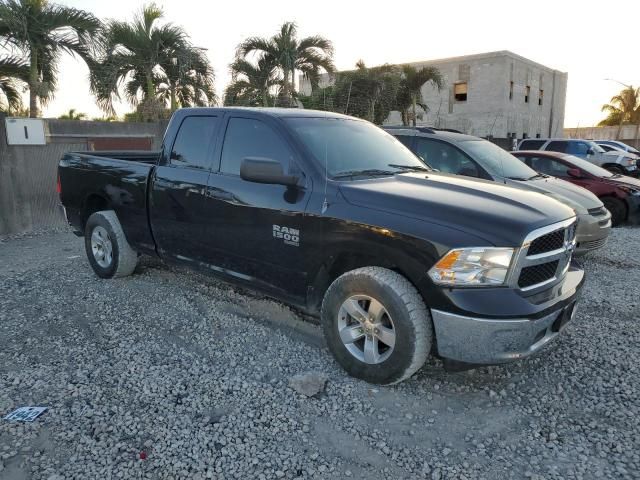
[(481, 266), (629, 190)]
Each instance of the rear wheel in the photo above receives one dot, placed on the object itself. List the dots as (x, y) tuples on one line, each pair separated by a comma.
[(108, 251), (617, 208), (376, 325)]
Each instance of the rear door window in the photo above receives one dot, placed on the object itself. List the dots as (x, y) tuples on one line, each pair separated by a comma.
[(192, 147), (531, 144), (557, 146), (248, 137)]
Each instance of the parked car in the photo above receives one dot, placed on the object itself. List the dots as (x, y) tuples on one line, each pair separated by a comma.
[(474, 157), (614, 149), (585, 149), (334, 216), (621, 145), (619, 193)]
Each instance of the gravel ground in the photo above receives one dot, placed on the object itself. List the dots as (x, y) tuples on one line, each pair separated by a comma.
[(168, 374)]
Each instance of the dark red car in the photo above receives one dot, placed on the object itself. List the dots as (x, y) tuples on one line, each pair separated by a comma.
[(619, 193)]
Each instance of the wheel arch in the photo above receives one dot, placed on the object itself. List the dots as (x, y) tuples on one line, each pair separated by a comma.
[(345, 260), (92, 204)]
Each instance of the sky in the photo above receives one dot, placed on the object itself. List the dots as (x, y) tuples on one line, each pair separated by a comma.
[(589, 40)]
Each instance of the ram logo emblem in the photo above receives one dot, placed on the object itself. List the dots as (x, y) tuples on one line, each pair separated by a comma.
[(290, 236)]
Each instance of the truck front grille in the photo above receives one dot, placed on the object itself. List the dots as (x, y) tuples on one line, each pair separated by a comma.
[(537, 274), (547, 243), (545, 256)]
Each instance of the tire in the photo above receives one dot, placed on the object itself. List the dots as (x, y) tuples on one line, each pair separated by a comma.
[(616, 169), (617, 208), (404, 314), (108, 251)]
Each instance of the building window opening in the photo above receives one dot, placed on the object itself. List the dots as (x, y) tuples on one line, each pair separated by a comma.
[(537, 135), (527, 93), (460, 92), (510, 90), (540, 97)]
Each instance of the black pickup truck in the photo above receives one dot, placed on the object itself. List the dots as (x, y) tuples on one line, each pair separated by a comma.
[(336, 217)]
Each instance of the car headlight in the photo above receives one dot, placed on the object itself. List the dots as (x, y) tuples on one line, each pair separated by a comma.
[(469, 267), (629, 190)]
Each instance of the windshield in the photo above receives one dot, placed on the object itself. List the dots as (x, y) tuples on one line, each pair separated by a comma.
[(351, 146), (588, 167), (497, 161)]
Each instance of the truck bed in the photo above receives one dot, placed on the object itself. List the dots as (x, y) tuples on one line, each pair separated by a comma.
[(142, 156), (118, 178)]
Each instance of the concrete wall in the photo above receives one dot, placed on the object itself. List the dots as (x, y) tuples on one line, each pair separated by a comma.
[(488, 109), (28, 174), (629, 134)]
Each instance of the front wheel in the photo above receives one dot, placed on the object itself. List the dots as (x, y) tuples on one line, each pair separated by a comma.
[(376, 325), (108, 251), (617, 208)]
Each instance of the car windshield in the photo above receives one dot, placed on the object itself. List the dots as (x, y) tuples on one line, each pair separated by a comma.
[(497, 161), (351, 147), (588, 166)]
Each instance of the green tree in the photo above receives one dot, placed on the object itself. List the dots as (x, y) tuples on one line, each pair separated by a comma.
[(155, 64), (13, 76), (623, 108), (41, 32), (368, 93), (251, 84), (310, 55), (72, 114), (189, 79), (410, 91)]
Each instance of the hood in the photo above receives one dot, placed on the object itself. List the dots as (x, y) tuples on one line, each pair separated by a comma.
[(578, 198), (498, 213), (622, 180)]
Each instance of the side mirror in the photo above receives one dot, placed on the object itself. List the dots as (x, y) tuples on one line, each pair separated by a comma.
[(265, 170), (574, 173), (591, 151)]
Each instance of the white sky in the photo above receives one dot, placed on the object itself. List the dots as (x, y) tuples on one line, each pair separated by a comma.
[(590, 40)]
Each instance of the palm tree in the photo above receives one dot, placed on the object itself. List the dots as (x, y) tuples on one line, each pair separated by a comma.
[(367, 93), (151, 61), (13, 76), (251, 83), (624, 108), (188, 79), (73, 115), (410, 94), (309, 55), (41, 31)]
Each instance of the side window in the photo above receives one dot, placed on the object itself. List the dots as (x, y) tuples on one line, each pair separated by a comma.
[(445, 157), (549, 166), (191, 147), (578, 148), (405, 139), (557, 146), (531, 144), (247, 137)]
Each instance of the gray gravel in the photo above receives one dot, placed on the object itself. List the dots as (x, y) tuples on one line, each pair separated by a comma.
[(168, 374)]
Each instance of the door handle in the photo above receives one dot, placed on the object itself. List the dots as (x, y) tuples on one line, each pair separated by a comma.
[(221, 195)]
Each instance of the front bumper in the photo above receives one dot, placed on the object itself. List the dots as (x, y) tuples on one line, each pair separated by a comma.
[(475, 339), (592, 232)]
